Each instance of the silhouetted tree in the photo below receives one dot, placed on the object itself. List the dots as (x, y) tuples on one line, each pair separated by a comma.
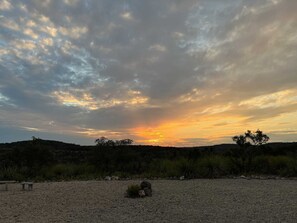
[(241, 140), (103, 141), (245, 141), (36, 140), (257, 138), (125, 142)]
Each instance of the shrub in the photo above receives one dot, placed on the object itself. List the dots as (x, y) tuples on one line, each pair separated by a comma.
[(133, 190), (12, 173), (187, 168), (168, 168), (68, 171), (278, 165), (214, 166)]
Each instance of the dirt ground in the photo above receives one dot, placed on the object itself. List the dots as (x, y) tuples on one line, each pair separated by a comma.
[(219, 200)]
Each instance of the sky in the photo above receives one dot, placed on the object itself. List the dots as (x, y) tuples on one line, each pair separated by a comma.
[(161, 72)]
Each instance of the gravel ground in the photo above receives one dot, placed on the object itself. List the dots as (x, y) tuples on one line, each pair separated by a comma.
[(220, 200)]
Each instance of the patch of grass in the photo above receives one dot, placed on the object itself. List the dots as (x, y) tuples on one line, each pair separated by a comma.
[(214, 166), (13, 173), (276, 165), (133, 190), (68, 172)]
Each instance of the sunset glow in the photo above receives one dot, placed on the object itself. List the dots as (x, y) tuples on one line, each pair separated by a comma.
[(174, 73)]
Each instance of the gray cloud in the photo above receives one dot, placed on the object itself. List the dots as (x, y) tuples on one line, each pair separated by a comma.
[(113, 66)]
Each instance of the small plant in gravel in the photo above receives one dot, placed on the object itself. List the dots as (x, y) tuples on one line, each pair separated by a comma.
[(133, 190)]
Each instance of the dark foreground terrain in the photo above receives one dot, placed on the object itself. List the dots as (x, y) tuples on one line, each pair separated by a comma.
[(220, 200), (44, 160)]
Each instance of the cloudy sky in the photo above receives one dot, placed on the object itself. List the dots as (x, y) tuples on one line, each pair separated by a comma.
[(166, 72)]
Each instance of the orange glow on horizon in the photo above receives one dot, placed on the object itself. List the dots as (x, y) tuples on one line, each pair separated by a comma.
[(209, 125), (178, 132)]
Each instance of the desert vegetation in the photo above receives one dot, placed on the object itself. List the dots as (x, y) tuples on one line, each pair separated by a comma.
[(41, 160), (133, 190)]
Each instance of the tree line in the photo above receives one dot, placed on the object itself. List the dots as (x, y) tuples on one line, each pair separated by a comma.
[(103, 141), (51, 160)]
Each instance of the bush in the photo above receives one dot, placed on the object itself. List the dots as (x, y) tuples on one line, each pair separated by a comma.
[(214, 166), (276, 165), (205, 167), (12, 173), (187, 168), (133, 190), (68, 171), (162, 168)]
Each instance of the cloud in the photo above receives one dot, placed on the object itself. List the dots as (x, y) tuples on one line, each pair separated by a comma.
[(277, 99), (138, 69), (5, 5)]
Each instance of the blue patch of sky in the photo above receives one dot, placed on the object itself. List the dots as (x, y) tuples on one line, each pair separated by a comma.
[(206, 20)]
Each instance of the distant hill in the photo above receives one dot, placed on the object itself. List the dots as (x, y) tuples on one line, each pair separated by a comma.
[(64, 152), (57, 145)]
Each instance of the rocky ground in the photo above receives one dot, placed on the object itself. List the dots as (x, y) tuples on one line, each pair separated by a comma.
[(220, 200)]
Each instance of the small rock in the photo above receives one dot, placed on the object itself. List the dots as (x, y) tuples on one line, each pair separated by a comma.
[(141, 193), (182, 178), (145, 184), (148, 192), (107, 178), (115, 178)]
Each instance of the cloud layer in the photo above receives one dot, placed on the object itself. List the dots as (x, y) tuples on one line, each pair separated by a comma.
[(170, 72)]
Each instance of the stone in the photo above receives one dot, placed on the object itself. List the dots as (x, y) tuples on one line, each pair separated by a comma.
[(141, 193), (145, 184), (107, 178), (148, 192), (242, 177), (182, 178), (115, 178)]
